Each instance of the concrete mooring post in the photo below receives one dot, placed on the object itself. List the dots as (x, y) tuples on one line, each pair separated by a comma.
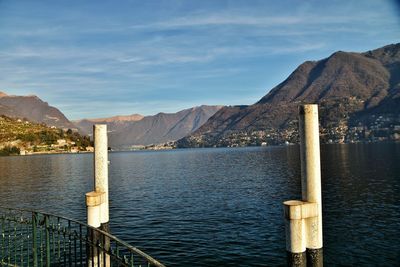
[(303, 219), (97, 200), (101, 171)]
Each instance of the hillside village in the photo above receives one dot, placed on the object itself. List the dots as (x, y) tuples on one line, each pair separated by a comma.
[(378, 129), (358, 96), (23, 137)]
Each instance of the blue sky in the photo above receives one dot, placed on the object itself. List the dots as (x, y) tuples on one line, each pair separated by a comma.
[(102, 58)]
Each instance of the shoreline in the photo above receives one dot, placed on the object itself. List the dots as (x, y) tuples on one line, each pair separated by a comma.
[(183, 148)]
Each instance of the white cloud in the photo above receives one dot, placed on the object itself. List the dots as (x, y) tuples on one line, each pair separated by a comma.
[(120, 57)]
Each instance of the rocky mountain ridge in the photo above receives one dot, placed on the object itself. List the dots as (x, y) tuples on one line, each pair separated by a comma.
[(156, 129), (352, 90), (124, 131)]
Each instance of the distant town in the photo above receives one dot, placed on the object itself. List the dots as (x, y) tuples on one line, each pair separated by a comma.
[(22, 137), (377, 129)]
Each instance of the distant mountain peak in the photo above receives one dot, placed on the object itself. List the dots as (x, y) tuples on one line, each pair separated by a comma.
[(117, 118), (2, 94), (155, 129), (34, 96)]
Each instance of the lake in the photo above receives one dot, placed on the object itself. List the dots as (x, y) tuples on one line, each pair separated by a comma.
[(219, 207)]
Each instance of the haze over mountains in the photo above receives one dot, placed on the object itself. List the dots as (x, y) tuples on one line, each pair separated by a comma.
[(115, 122), (159, 128), (351, 88), (124, 131)]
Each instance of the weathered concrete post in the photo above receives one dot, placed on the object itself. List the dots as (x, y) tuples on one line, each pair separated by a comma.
[(97, 200), (295, 234), (311, 179), (303, 219), (101, 170), (93, 203)]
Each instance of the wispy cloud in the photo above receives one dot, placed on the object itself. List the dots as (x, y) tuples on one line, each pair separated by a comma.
[(220, 20), (146, 58)]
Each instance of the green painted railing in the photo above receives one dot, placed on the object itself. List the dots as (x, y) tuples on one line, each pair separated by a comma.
[(30, 238)]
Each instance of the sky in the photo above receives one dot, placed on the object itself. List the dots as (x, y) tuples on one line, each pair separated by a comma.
[(96, 59)]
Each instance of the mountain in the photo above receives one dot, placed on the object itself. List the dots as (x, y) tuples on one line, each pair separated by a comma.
[(133, 117), (352, 90), (33, 109), (114, 123), (124, 131), (160, 128)]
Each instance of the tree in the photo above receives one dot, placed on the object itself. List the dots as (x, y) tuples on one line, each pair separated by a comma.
[(8, 151)]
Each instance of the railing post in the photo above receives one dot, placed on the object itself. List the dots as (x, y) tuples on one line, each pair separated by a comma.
[(97, 200), (34, 240), (304, 218), (46, 223)]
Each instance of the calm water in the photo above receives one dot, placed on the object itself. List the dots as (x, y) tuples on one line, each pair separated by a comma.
[(215, 207)]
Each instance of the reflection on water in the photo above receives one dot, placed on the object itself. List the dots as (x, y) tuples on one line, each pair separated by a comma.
[(208, 207), (362, 204)]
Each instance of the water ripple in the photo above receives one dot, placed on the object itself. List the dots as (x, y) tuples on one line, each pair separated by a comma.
[(217, 207)]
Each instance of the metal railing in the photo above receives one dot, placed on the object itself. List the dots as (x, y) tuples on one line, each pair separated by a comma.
[(31, 238)]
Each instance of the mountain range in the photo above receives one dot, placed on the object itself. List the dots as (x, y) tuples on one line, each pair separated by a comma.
[(358, 96), (351, 89), (126, 131)]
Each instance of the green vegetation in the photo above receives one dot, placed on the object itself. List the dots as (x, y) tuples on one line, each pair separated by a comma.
[(9, 151), (18, 135)]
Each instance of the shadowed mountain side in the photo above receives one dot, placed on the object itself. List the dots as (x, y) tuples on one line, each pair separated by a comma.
[(349, 87), (33, 109), (160, 128)]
